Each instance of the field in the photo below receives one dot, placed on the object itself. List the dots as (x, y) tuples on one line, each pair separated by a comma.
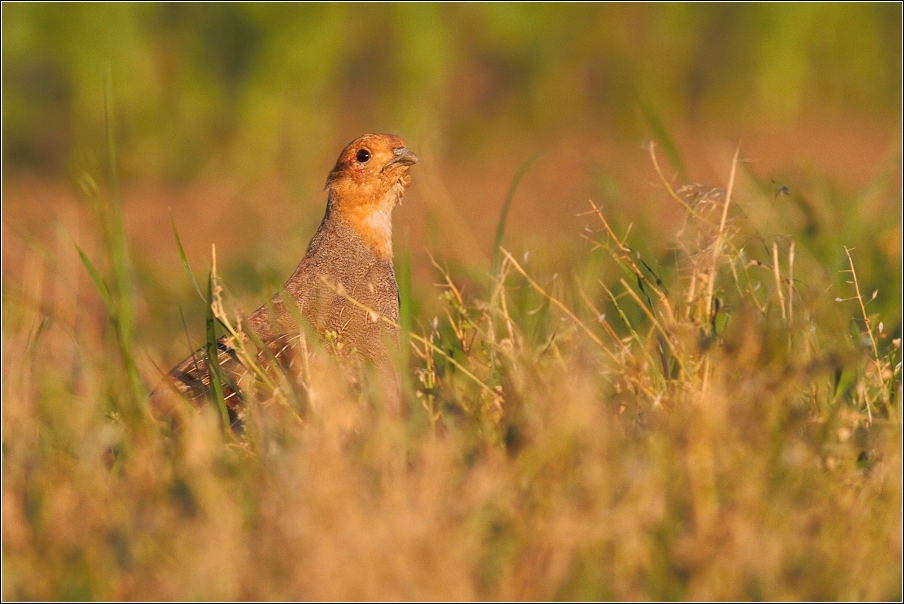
[(619, 383)]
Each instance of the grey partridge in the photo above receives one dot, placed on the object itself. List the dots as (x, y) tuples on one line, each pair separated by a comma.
[(349, 258)]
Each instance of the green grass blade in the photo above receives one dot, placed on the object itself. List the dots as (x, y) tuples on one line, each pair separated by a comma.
[(117, 246), (36, 335), (663, 138), (96, 279), (406, 301), (184, 259), (503, 216), (121, 291), (634, 335), (213, 358), (188, 341)]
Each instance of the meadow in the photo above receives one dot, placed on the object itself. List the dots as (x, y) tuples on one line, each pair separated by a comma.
[(640, 361)]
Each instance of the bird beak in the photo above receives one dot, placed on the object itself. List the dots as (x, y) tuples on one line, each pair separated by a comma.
[(403, 157)]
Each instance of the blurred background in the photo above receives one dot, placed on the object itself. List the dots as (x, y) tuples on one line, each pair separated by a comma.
[(740, 452), (229, 116)]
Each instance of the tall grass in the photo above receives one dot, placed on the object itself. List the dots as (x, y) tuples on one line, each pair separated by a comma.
[(698, 424), (117, 292)]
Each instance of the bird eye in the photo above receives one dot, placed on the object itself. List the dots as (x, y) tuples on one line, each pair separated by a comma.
[(363, 156)]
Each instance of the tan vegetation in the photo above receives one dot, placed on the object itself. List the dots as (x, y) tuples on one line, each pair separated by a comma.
[(630, 429)]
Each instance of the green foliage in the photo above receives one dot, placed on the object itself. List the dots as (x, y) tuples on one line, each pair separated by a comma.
[(255, 85)]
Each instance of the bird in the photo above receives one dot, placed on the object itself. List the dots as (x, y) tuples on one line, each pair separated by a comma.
[(342, 287)]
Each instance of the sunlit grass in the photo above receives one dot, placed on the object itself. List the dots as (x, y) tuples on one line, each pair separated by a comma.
[(721, 420)]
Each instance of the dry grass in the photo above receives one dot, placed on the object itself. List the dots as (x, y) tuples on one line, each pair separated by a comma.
[(696, 426)]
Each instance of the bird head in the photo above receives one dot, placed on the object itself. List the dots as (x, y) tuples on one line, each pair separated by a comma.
[(372, 167), (369, 179)]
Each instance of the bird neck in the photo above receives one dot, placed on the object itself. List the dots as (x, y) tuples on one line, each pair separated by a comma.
[(372, 221)]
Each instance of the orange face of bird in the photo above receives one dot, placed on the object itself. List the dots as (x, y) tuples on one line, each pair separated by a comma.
[(369, 179), (372, 169)]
